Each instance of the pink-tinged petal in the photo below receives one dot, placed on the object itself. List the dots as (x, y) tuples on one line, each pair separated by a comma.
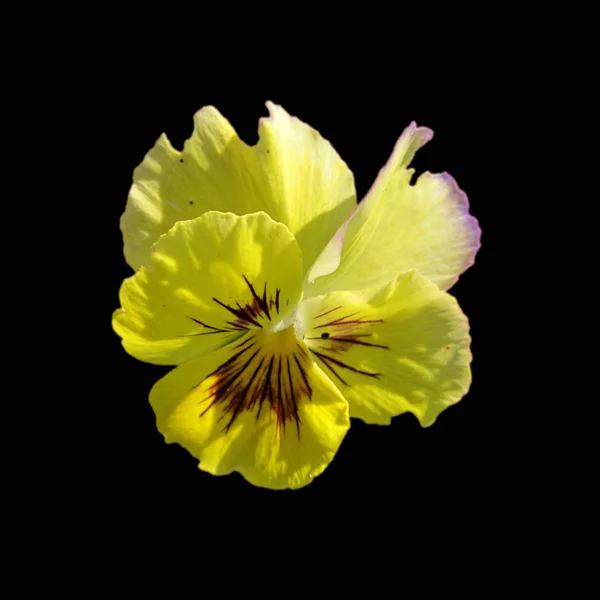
[(399, 227)]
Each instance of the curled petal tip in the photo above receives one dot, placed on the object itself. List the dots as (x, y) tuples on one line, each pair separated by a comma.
[(273, 109), (424, 132)]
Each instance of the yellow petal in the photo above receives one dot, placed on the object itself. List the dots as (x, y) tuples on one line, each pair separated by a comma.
[(399, 227), (208, 282), (292, 174), (227, 416), (402, 347)]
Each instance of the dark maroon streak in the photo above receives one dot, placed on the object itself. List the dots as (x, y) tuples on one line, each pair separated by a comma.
[(243, 315), (303, 375), (261, 302), (273, 382), (213, 329), (327, 312), (341, 321), (281, 405), (350, 339), (205, 325), (246, 340), (294, 403), (259, 307), (328, 359)]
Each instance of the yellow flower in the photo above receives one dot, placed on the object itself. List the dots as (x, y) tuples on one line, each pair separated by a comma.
[(287, 307)]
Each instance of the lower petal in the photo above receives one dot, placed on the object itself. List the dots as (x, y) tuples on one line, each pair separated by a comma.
[(270, 449), (404, 347)]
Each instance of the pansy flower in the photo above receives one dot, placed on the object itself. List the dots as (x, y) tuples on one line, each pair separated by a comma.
[(286, 308)]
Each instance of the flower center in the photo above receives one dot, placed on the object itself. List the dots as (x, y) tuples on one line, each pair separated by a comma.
[(272, 355), (265, 367), (267, 364)]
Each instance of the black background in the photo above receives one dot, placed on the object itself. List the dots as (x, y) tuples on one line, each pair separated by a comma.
[(459, 465)]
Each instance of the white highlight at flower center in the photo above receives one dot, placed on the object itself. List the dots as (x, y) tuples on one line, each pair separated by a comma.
[(280, 325), (294, 320)]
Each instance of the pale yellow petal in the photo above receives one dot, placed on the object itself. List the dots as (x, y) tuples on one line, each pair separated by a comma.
[(398, 227), (292, 174)]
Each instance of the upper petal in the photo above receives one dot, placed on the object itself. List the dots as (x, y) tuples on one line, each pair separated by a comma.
[(207, 282), (242, 430), (292, 174), (402, 347), (399, 227)]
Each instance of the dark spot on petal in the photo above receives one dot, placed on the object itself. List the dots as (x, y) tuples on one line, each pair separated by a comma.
[(324, 335), (181, 160), (191, 202)]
